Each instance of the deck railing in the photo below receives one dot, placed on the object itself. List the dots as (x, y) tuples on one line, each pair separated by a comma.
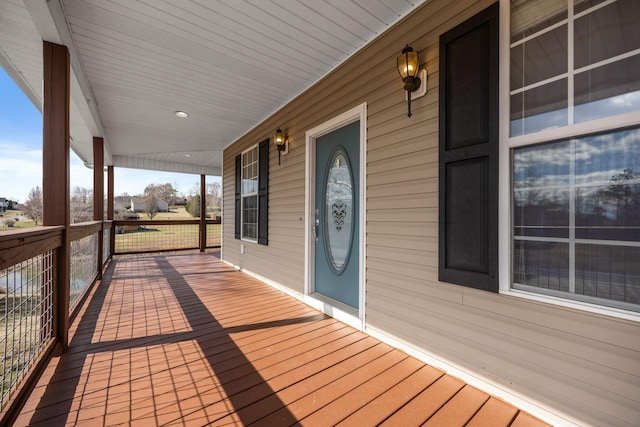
[(140, 236), (83, 259), (27, 274), (106, 241)]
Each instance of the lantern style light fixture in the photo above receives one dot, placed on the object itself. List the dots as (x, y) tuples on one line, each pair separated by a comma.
[(408, 63), (282, 143)]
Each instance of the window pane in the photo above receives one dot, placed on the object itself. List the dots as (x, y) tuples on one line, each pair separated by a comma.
[(543, 265), (608, 186), (250, 171), (541, 195), (540, 108), (582, 5), (607, 32), (608, 90), (531, 16), (608, 272), (540, 58), (250, 217), (576, 218)]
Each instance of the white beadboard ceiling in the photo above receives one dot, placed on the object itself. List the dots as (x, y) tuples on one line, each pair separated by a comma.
[(229, 63)]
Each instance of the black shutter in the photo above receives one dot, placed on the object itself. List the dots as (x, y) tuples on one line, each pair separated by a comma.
[(238, 212), (263, 192), (468, 167)]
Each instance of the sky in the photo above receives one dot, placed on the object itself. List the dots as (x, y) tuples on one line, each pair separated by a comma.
[(21, 154)]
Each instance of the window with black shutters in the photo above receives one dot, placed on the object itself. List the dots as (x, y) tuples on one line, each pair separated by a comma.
[(251, 194)]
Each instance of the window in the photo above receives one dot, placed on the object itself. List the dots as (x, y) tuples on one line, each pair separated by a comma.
[(576, 218), (576, 201), (250, 194), (251, 207), (573, 61)]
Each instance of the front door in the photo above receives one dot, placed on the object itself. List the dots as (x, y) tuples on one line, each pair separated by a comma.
[(336, 215)]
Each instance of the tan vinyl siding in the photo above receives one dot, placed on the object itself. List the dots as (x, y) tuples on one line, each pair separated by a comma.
[(582, 366)]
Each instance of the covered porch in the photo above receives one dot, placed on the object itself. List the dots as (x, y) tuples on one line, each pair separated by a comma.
[(102, 332), (184, 339)]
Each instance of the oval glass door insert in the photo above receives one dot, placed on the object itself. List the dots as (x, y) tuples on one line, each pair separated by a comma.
[(338, 210)]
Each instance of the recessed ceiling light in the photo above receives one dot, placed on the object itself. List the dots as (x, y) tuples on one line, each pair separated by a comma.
[(182, 114), (187, 155)]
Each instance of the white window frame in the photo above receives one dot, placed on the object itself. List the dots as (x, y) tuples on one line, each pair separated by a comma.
[(508, 143), (243, 195)]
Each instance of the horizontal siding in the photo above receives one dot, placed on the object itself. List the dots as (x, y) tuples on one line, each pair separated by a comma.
[(581, 366)]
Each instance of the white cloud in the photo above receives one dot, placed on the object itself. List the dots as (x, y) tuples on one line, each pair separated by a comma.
[(20, 170)]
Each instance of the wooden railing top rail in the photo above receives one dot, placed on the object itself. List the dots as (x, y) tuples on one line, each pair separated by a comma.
[(20, 245), (83, 229), (162, 222)]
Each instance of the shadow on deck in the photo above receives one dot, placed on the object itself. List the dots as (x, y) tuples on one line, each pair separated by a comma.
[(187, 340)]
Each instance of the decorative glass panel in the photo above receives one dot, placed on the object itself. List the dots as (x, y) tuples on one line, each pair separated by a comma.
[(338, 210)]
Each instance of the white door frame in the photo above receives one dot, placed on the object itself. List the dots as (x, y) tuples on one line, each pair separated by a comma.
[(328, 306)]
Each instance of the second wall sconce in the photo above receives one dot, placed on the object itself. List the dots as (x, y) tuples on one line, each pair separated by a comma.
[(282, 143), (408, 67)]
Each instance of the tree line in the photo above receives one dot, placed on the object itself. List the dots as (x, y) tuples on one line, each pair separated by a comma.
[(81, 206)]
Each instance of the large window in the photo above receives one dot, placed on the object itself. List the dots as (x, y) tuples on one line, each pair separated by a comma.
[(250, 194), (576, 201)]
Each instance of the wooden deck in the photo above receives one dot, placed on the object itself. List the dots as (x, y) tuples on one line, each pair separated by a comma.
[(187, 340)]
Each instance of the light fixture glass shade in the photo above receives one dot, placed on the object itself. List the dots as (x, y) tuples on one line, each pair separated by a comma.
[(278, 139), (408, 63)]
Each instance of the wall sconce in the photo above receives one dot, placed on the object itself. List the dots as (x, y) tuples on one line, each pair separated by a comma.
[(408, 63), (282, 143)]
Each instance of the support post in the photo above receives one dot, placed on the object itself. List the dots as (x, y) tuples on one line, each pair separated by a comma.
[(98, 194), (203, 213), (110, 199), (55, 172)]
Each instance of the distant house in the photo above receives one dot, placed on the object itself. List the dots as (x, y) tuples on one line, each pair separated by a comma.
[(121, 203), (4, 204), (138, 204)]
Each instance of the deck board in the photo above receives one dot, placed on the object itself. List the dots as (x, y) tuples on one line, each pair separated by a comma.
[(187, 340)]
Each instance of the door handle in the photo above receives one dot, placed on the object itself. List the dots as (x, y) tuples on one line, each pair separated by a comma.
[(316, 228)]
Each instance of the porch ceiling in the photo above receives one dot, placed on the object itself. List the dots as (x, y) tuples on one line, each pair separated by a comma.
[(229, 64)]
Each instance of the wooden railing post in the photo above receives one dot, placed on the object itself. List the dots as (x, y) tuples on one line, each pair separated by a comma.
[(98, 194), (203, 213), (55, 173), (110, 199)]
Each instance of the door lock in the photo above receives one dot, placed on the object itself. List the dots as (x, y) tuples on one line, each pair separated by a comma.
[(316, 228)]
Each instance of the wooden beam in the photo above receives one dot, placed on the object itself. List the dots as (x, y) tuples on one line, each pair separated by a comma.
[(84, 229), (98, 178), (110, 195), (55, 173), (203, 213), (17, 246), (110, 200), (98, 194)]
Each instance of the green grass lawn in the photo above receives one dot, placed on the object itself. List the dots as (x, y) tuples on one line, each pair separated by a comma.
[(165, 237), (10, 216)]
